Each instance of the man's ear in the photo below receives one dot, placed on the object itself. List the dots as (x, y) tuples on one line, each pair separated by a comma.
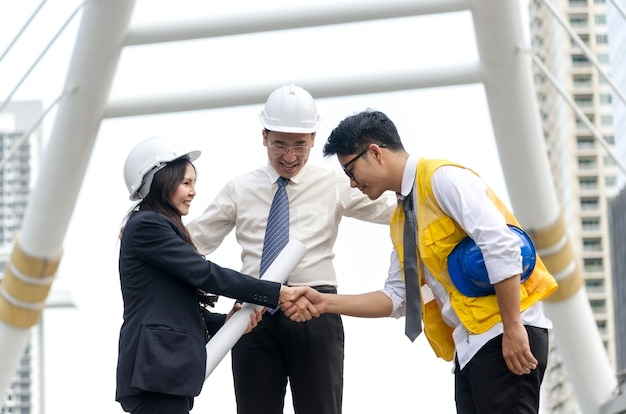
[(376, 152)]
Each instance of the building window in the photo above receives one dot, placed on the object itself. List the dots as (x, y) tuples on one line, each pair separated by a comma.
[(578, 21), (594, 285), (591, 224), (592, 244), (606, 120), (580, 61), (606, 98), (598, 305), (582, 81), (610, 181), (602, 39), (589, 203), (588, 183), (583, 100), (585, 143), (603, 58), (583, 37), (587, 163), (600, 19), (580, 125), (594, 264)]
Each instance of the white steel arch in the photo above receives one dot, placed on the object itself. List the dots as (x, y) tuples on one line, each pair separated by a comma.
[(504, 69)]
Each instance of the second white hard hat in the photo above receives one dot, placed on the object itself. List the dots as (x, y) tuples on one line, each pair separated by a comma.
[(290, 109), (148, 157)]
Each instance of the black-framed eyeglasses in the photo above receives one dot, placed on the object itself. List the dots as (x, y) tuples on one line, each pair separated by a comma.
[(356, 157), (282, 149)]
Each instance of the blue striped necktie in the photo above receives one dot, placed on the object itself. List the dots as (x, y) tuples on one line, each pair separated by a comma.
[(277, 230), (413, 319)]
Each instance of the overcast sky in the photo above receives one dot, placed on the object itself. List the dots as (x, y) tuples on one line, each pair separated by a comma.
[(384, 371)]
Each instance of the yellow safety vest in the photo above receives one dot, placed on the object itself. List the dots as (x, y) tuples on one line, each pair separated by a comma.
[(437, 235)]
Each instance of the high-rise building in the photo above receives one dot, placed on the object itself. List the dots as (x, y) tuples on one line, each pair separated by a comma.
[(616, 22), (618, 247), (616, 31), (20, 145), (571, 38)]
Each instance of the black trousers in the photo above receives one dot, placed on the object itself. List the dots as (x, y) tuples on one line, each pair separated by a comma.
[(486, 386), (156, 403), (308, 354)]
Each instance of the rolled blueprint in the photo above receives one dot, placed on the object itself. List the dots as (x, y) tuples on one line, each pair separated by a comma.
[(235, 327)]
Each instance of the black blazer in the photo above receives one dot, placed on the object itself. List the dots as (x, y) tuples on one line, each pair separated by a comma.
[(162, 339)]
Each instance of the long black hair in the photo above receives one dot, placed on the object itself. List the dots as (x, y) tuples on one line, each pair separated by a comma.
[(164, 185)]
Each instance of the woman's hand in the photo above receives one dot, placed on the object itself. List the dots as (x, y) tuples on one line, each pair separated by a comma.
[(255, 317)]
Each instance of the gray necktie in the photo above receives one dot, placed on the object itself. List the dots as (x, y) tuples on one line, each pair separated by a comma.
[(277, 230), (413, 322)]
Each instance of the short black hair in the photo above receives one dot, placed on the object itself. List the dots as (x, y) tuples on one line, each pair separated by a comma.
[(359, 130)]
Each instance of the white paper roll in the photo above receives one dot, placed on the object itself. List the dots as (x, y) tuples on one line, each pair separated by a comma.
[(235, 327)]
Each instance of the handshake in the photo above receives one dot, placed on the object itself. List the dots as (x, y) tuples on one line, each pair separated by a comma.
[(302, 303)]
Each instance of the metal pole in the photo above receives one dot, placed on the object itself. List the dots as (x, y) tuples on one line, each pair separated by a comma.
[(36, 254), (515, 117)]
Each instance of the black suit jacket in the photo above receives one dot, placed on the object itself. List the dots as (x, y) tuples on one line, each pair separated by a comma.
[(162, 339)]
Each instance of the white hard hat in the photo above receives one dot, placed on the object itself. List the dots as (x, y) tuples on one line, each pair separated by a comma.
[(290, 109), (148, 157)]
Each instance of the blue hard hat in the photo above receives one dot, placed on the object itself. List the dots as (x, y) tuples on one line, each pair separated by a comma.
[(467, 266)]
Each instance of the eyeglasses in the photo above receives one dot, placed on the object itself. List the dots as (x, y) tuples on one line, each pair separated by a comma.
[(282, 149), (359, 155)]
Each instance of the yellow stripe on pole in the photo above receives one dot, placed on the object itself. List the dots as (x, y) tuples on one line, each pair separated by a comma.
[(36, 267), (557, 253), (24, 288), (17, 316), (567, 287)]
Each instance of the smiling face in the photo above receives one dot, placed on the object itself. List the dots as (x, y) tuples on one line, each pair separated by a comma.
[(288, 152), (365, 170), (185, 192)]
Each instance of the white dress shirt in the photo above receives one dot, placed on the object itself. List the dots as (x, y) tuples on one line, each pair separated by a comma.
[(463, 196), (318, 199)]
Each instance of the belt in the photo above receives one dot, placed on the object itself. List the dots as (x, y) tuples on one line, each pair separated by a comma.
[(325, 288)]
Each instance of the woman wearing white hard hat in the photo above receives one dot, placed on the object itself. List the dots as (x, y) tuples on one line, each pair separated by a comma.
[(162, 354)]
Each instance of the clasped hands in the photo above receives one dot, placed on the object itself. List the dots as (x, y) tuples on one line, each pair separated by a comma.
[(301, 303)]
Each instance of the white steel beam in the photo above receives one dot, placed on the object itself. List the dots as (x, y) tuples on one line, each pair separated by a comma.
[(354, 84), (289, 17)]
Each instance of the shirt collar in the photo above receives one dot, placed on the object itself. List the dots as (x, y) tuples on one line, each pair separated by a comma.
[(408, 178)]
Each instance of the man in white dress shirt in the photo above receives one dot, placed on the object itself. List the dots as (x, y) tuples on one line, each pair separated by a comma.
[(498, 339), (308, 356)]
